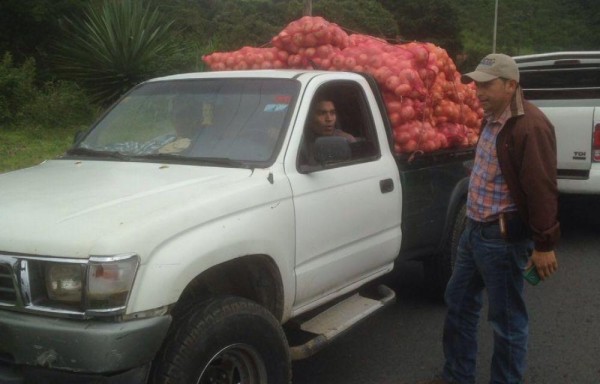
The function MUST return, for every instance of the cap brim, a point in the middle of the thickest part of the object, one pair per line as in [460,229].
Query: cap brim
[480,77]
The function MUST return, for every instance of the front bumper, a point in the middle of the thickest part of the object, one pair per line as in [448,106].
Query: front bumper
[34,375]
[30,344]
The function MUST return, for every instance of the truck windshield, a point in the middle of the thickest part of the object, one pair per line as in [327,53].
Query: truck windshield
[225,121]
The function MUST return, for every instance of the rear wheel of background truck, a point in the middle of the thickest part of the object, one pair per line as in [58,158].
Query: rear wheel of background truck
[224,340]
[438,268]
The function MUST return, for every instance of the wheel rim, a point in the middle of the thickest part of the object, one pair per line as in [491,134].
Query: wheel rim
[234,364]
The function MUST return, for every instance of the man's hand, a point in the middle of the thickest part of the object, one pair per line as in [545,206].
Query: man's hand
[545,263]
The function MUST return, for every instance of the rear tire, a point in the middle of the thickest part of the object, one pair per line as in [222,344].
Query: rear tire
[224,340]
[438,268]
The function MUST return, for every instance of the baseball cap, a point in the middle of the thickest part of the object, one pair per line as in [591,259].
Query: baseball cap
[491,67]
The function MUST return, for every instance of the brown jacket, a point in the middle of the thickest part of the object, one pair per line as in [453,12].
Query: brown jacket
[526,148]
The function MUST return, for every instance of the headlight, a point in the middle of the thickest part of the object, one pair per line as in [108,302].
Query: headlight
[100,285]
[109,282]
[64,282]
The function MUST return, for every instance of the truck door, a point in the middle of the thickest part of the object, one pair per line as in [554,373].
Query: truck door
[347,213]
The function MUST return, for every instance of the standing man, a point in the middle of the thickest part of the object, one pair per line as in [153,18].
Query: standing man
[512,205]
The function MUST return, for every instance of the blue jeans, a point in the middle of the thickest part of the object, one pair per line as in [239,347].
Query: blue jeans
[485,260]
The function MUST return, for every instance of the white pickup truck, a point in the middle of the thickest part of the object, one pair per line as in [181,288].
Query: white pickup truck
[140,256]
[566,86]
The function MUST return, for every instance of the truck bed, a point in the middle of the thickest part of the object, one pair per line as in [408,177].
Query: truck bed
[437,182]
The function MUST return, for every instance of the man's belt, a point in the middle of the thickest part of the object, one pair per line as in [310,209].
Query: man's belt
[512,227]
[505,216]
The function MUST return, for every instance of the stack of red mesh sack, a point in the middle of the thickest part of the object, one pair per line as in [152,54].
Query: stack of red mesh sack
[427,105]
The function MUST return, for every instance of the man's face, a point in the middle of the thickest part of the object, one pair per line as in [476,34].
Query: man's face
[495,95]
[323,123]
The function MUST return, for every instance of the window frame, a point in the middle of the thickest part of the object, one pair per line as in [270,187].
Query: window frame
[564,77]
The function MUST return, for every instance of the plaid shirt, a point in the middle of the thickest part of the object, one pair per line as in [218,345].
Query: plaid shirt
[488,192]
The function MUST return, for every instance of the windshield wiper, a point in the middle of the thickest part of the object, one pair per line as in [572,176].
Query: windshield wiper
[97,153]
[165,156]
[222,161]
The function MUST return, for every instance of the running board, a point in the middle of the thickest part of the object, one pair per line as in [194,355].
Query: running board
[331,323]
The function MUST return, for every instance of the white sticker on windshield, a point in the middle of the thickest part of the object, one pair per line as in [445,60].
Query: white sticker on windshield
[275,107]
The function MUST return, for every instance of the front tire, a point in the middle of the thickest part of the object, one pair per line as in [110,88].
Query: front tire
[221,341]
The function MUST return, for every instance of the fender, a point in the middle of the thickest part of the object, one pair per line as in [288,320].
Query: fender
[264,230]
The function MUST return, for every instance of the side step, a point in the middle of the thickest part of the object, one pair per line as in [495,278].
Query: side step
[329,324]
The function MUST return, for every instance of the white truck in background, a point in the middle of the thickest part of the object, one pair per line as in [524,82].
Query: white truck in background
[566,87]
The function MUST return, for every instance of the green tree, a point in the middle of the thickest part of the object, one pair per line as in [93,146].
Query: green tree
[524,27]
[433,21]
[113,47]
[359,16]
[27,28]
[227,25]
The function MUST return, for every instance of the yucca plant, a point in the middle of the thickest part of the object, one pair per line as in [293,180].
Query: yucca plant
[113,47]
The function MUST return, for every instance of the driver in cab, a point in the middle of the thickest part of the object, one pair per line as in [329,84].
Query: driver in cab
[322,123]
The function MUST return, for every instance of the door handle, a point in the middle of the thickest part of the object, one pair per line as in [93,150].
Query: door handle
[386,185]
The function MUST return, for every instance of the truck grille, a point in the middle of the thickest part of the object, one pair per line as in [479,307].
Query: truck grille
[8,294]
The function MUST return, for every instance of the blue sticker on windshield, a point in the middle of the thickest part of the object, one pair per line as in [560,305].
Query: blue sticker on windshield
[275,107]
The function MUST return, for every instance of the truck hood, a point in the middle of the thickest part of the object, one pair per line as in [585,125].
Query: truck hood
[69,208]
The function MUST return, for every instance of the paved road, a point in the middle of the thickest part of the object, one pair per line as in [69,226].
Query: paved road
[401,345]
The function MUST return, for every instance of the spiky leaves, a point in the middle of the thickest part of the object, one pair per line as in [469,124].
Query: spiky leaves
[113,47]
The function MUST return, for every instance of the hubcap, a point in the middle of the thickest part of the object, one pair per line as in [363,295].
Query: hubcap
[234,364]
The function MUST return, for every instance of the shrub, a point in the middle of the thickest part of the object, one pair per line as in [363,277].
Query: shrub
[58,105]
[113,47]
[16,88]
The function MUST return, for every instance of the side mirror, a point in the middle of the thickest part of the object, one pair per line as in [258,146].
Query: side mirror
[331,149]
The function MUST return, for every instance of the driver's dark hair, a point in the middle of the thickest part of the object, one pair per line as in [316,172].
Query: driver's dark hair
[323,96]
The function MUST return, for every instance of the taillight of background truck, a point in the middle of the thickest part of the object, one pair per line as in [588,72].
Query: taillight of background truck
[596,144]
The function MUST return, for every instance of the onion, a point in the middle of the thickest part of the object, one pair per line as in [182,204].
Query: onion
[427,105]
